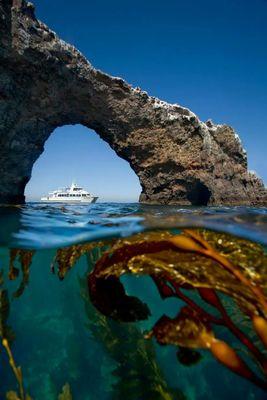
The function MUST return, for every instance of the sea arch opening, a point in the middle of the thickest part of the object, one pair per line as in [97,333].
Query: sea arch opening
[198,193]
[76,153]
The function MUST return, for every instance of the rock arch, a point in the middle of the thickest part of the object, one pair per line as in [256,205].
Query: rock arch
[46,83]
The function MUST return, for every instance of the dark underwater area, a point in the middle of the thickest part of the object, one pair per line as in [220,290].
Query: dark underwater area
[91,298]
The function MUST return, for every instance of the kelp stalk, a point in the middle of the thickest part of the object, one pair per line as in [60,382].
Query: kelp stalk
[17,370]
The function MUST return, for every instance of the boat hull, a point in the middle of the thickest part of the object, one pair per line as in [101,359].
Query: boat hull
[67,201]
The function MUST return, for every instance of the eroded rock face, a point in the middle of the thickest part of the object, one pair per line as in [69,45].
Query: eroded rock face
[46,83]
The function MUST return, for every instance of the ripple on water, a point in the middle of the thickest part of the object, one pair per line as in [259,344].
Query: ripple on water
[39,225]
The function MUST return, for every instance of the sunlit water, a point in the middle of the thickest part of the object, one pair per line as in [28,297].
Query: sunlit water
[57,337]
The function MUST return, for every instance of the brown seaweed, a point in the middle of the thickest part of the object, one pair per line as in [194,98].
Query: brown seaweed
[205,263]
[112,301]
[136,372]
[7,337]
[66,257]
[14,396]
[187,356]
[5,329]
[66,393]
[16,369]
[190,261]
[24,258]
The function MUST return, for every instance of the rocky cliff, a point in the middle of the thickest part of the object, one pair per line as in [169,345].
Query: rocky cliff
[46,83]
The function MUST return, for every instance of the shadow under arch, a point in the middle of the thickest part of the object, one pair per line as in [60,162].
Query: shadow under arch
[75,152]
[198,193]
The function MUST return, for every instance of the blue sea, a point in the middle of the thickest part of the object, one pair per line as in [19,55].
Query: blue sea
[61,340]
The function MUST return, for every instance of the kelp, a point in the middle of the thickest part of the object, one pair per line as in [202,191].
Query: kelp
[155,254]
[16,370]
[7,337]
[66,393]
[24,257]
[66,257]
[136,372]
[199,262]
[187,356]
[198,267]
[5,329]
[14,396]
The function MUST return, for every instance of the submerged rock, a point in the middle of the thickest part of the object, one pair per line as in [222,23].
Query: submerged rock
[46,83]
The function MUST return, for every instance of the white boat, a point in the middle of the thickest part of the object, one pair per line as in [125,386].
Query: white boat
[73,194]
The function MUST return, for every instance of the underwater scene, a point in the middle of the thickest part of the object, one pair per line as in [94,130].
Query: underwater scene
[127,301]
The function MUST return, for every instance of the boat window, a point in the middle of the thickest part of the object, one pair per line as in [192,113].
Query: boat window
[84,195]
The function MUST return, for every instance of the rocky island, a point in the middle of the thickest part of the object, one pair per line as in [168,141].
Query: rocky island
[46,83]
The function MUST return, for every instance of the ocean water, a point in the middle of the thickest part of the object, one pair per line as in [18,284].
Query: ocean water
[58,337]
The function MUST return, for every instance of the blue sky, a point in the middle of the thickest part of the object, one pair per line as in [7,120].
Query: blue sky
[210,56]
